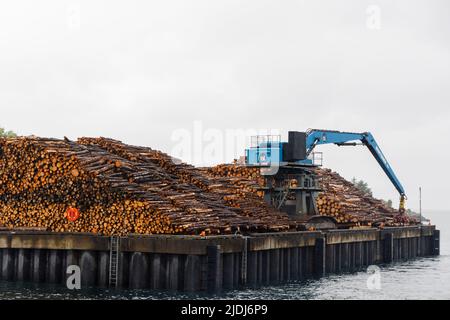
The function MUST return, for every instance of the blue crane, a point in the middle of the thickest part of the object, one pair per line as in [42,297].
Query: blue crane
[268,152]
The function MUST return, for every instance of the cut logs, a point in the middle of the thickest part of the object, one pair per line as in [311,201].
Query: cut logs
[120,189]
[349,205]
[103,186]
[339,199]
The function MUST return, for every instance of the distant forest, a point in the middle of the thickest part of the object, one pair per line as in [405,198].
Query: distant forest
[364,187]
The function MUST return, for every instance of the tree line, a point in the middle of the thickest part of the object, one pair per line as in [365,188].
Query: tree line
[7,134]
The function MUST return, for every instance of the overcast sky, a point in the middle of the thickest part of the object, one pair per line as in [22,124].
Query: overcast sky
[143,71]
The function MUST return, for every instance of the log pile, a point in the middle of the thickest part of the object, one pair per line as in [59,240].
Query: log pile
[235,170]
[228,201]
[103,186]
[332,206]
[120,189]
[340,198]
[246,179]
[351,198]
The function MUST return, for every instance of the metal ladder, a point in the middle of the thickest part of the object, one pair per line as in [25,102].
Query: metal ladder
[282,196]
[114,261]
[244,263]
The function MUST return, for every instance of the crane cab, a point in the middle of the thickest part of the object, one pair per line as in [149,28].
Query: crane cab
[269,150]
[290,183]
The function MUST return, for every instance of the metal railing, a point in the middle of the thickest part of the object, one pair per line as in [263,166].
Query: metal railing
[316,158]
[256,141]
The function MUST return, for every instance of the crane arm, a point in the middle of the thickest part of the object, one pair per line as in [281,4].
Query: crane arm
[315,137]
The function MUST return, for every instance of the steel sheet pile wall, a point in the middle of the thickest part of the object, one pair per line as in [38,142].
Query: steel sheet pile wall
[192,263]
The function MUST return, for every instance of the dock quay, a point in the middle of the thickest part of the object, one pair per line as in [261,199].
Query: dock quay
[211,263]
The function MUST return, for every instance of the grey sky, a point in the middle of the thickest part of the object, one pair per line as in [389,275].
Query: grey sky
[138,70]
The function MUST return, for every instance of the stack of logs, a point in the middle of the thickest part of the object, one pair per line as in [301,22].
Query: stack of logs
[227,202]
[246,179]
[340,198]
[332,207]
[119,189]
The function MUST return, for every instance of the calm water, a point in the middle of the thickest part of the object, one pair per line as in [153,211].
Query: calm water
[426,278]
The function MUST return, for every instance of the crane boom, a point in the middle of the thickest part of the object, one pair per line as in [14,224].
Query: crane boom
[315,137]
